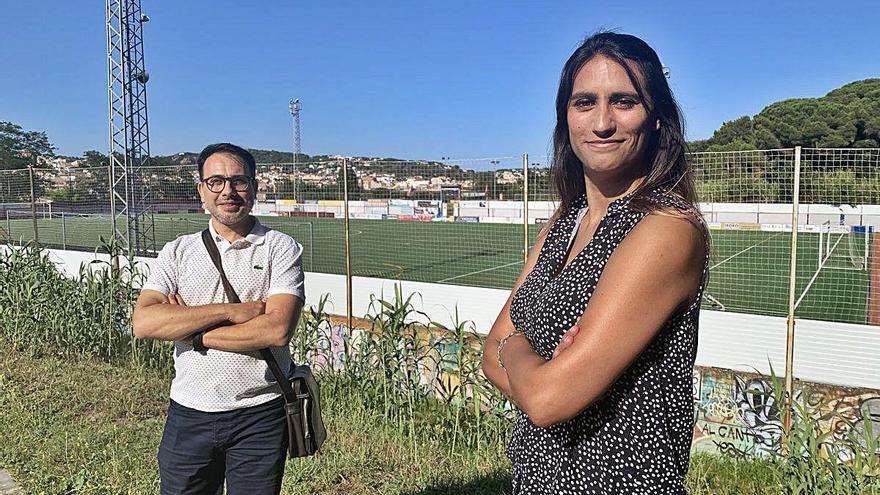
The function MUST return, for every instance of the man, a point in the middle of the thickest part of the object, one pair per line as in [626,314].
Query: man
[226,418]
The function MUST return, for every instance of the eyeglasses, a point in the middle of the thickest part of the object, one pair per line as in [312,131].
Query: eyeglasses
[216,183]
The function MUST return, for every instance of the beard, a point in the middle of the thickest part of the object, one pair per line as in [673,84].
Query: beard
[230,218]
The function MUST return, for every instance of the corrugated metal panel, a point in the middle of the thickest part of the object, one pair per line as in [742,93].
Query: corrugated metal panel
[741,342]
[837,353]
[825,352]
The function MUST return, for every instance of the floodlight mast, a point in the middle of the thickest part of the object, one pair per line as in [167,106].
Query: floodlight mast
[130,209]
[295,108]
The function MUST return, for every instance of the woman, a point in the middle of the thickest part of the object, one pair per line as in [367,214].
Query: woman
[596,343]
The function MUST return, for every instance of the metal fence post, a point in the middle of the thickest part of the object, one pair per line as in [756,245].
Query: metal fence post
[311,247]
[789,338]
[63,232]
[348,290]
[114,239]
[525,161]
[33,204]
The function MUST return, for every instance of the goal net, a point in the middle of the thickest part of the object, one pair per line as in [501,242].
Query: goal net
[843,247]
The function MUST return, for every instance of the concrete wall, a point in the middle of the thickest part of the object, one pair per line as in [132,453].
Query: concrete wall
[737,413]
[512,211]
[837,365]
[825,352]
[808,214]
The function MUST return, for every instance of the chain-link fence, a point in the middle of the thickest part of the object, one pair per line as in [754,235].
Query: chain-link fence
[837,276]
[464,222]
[749,269]
[752,198]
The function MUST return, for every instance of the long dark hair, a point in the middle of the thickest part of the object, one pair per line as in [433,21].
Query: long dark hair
[666,152]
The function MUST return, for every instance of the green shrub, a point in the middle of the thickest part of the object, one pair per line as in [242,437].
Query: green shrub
[813,459]
[44,311]
[387,382]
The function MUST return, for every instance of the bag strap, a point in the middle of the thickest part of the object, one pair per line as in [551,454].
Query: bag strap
[266,354]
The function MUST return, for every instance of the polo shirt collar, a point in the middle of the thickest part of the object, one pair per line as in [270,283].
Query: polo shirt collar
[255,237]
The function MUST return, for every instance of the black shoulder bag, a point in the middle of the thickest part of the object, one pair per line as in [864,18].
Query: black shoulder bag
[302,405]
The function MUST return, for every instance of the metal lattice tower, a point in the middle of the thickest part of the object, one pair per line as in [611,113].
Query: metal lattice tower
[295,107]
[131,215]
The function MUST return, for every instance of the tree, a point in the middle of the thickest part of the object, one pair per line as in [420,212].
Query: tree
[70,193]
[862,100]
[272,156]
[734,135]
[15,186]
[20,148]
[847,117]
[809,122]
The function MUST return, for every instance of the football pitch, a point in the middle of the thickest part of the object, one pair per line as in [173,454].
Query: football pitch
[748,270]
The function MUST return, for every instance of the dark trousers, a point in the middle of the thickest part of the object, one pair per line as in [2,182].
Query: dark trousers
[247,447]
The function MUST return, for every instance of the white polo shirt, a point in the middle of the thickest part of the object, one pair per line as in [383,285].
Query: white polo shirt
[263,264]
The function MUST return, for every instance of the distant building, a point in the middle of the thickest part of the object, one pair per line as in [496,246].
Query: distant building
[450,192]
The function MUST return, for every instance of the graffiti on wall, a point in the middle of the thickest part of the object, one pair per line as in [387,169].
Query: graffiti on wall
[439,368]
[734,415]
[868,422]
[329,349]
[447,365]
[760,415]
[737,414]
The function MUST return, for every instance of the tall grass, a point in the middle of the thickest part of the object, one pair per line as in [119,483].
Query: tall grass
[812,459]
[422,377]
[43,311]
[411,379]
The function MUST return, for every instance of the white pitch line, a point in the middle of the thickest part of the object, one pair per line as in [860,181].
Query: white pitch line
[476,272]
[816,275]
[725,260]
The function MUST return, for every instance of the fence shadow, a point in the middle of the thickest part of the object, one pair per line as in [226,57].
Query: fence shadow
[497,483]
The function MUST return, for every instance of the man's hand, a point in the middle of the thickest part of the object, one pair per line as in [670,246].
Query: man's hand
[272,325]
[175,299]
[246,311]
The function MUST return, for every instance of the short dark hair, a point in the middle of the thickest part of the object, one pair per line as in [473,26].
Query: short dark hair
[243,155]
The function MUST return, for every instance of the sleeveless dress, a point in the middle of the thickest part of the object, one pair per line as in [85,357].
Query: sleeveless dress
[636,438]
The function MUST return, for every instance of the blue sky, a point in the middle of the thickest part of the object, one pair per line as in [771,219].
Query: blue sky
[409,79]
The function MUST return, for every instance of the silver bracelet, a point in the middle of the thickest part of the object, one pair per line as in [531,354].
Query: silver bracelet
[504,341]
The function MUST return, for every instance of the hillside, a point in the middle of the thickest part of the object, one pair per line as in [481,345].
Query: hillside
[847,117]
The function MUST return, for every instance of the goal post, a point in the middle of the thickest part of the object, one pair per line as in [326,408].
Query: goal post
[843,247]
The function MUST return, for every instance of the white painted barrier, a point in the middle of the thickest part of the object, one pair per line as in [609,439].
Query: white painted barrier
[812,214]
[825,352]
[511,211]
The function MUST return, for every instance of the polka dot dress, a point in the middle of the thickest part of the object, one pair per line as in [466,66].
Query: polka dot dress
[636,438]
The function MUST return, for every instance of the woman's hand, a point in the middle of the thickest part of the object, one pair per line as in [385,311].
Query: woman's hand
[567,340]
